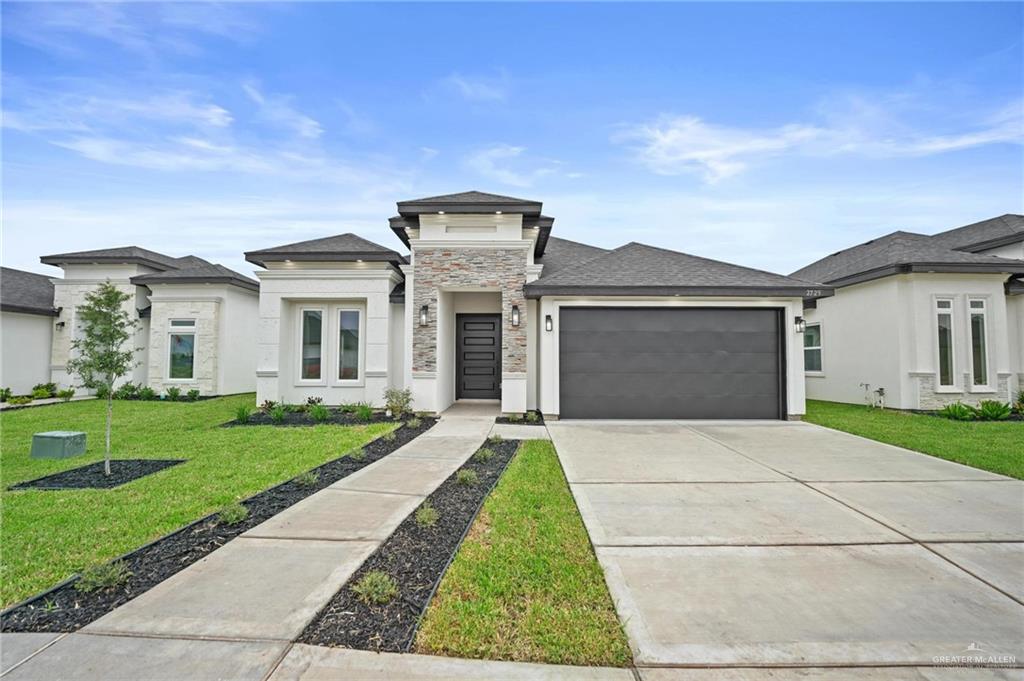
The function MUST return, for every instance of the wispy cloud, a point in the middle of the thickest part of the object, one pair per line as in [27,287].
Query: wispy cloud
[673,145]
[506,164]
[278,109]
[479,88]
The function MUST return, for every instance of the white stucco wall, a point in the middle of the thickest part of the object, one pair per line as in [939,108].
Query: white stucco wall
[283,292]
[1015,251]
[1015,327]
[883,333]
[396,347]
[548,388]
[25,350]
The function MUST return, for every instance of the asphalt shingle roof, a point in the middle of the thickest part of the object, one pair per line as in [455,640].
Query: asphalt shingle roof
[207,273]
[26,292]
[119,254]
[1007,226]
[882,256]
[470,197]
[636,269]
[562,253]
[341,247]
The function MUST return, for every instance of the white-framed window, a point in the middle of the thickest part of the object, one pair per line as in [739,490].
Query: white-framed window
[349,344]
[311,344]
[978,324]
[181,350]
[812,348]
[944,342]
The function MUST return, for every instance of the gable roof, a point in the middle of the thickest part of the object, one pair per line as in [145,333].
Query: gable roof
[469,202]
[900,252]
[562,253]
[339,248]
[638,269]
[118,255]
[991,233]
[26,292]
[206,273]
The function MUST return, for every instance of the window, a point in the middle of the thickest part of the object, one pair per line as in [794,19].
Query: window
[944,329]
[181,350]
[348,345]
[812,347]
[979,351]
[312,344]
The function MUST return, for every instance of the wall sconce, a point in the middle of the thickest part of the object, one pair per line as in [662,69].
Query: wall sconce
[515,315]
[548,323]
[799,324]
[423,316]
[60,326]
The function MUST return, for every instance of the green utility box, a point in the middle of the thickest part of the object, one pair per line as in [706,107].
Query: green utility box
[58,444]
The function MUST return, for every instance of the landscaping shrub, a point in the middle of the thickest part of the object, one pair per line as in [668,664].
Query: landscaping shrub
[192,395]
[314,400]
[414,423]
[427,515]
[243,413]
[126,391]
[958,411]
[495,439]
[20,400]
[50,389]
[267,406]
[308,479]
[101,392]
[358,454]
[148,394]
[993,410]
[389,436]
[398,401]
[1018,402]
[483,455]
[174,393]
[375,588]
[515,418]
[363,411]
[6,394]
[232,515]
[347,408]
[277,413]
[293,408]
[66,394]
[103,576]
[532,417]
[466,476]
[319,413]
[40,394]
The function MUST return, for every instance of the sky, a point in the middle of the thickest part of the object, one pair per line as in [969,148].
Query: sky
[767,135]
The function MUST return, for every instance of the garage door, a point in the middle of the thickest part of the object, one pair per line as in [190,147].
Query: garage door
[662,363]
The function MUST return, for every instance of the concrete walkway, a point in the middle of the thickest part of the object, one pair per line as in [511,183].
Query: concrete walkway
[234,614]
[790,545]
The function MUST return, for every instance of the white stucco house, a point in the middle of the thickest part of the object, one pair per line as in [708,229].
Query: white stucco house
[197,320]
[929,319]
[488,305]
[26,329]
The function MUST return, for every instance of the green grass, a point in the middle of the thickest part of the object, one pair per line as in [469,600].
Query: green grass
[990,445]
[49,535]
[525,585]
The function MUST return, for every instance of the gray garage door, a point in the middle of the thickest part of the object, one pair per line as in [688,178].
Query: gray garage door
[682,363]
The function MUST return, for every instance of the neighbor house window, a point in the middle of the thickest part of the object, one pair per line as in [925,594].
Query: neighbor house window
[348,345]
[979,352]
[944,330]
[182,349]
[312,345]
[812,347]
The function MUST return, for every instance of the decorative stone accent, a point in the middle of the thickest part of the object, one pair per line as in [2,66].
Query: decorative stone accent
[204,372]
[928,399]
[495,268]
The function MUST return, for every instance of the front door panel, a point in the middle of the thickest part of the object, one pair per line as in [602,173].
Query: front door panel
[478,356]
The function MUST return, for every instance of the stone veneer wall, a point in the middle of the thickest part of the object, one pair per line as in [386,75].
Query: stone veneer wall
[442,268]
[929,399]
[204,371]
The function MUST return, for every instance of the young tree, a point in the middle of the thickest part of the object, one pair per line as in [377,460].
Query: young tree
[102,358]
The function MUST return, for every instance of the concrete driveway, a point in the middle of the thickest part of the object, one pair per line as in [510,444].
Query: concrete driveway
[791,545]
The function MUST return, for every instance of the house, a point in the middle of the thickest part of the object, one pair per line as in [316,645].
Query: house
[197,320]
[26,329]
[488,305]
[929,319]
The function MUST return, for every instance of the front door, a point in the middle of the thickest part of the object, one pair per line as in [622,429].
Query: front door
[478,356]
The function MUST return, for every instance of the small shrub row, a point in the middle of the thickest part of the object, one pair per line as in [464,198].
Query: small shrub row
[131,391]
[40,391]
[987,410]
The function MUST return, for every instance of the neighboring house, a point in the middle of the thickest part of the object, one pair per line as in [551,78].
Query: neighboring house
[929,319]
[26,329]
[197,320]
[489,306]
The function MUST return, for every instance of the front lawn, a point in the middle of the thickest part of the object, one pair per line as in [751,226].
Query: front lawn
[526,585]
[996,446]
[49,535]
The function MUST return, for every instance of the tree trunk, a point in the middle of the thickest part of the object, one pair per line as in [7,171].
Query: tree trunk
[110,412]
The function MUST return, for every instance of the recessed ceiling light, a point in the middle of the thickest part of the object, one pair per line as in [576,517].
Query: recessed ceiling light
[497,212]
[440,212]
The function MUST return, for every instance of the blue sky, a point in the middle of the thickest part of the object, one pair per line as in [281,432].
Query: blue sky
[766,135]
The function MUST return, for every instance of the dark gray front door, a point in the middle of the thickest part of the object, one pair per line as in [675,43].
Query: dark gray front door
[478,356]
[671,363]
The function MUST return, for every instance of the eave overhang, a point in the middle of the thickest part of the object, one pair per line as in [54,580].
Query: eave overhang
[538,290]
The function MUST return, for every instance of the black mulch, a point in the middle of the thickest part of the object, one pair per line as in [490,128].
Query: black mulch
[93,477]
[521,421]
[301,418]
[65,609]
[416,558]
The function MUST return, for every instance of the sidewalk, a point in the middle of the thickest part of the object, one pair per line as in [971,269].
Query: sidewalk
[234,614]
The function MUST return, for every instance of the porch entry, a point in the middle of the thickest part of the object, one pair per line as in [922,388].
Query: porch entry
[478,356]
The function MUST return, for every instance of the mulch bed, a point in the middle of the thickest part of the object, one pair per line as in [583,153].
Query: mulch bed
[92,476]
[301,418]
[522,421]
[416,558]
[63,608]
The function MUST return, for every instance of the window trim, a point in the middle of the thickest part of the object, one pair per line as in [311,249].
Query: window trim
[936,311]
[820,348]
[335,342]
[985,387]
[324,352]
[182,330]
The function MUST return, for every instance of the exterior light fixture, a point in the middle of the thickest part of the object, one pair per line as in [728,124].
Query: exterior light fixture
[60,326]
[515,315]
[548,323]
[799,324]
[423,316]
[440,212]
[497,212]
